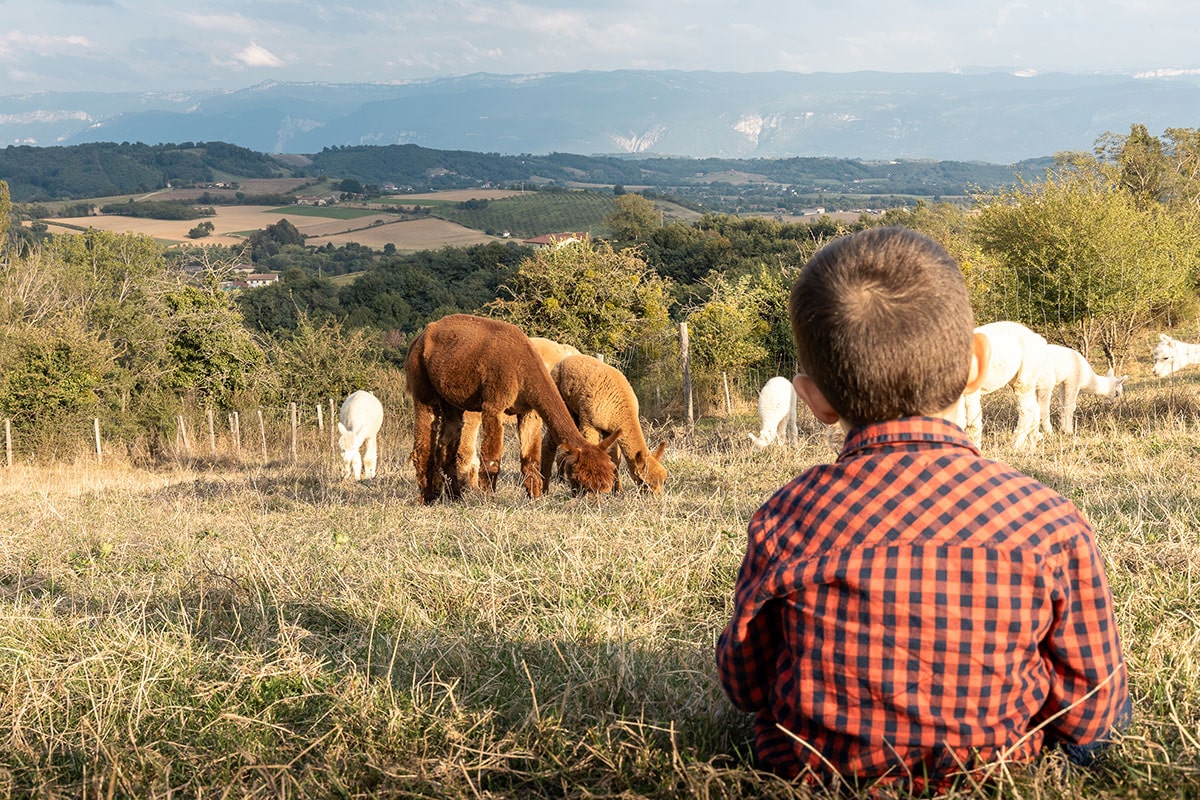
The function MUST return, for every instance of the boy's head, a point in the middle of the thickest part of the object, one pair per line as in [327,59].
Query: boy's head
[883,325]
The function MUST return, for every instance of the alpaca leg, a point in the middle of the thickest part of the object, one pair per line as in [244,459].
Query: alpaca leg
[369,458]
[972,416]
[549,452]
[1027,432]
[426,427]
[448,445]
[1070,398]
[468,450]
[529,433]
[490,448]
[1043,397]
[356,465]
[792,428]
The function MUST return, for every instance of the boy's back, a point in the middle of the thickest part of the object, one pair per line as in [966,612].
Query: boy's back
[912,609]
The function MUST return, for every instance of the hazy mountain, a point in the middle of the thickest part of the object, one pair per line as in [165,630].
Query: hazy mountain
[995,117]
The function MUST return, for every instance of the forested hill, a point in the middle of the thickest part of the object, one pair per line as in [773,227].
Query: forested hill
[105,169]
[418,167]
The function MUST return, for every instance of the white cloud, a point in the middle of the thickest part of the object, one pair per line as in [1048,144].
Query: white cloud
[255,55]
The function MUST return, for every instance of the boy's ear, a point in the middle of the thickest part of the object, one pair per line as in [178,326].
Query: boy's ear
[814,398]
[981,354]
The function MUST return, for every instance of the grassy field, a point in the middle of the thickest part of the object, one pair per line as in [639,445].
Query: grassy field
[233,625]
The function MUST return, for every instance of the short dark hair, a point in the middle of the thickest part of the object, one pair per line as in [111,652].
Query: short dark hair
[882,324]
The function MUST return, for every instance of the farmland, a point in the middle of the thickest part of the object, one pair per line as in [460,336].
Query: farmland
[229,622]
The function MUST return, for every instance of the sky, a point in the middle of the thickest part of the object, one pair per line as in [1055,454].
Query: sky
[168,45]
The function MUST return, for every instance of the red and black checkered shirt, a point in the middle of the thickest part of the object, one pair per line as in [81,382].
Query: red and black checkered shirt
[913,609]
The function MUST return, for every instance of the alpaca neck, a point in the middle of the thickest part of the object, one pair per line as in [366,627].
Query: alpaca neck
[1188,354]
[543,397]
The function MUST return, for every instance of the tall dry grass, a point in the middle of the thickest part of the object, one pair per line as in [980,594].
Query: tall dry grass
[250,628]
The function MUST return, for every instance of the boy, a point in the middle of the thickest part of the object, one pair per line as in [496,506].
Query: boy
[912,611]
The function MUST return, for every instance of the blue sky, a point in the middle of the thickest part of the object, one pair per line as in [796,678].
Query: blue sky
[165,45]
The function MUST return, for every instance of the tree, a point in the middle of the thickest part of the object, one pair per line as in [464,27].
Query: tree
[588,295]
[727,333]
[633,219]
[1088,261]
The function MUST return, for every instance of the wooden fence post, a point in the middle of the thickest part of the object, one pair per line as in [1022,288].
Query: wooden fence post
[187,448]
[262,433]
[235,428]
[320,419]
[292,414]
[8,441]
[96,429]
[728,402]
[687,373]
[333,419]
[212,433]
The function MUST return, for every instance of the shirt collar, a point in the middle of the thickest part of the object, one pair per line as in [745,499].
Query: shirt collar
[906,433]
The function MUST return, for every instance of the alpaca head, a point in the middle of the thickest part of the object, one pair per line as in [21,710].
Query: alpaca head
[760,440]
[648,470]
[588,467]
[1114,385]
[1165,356]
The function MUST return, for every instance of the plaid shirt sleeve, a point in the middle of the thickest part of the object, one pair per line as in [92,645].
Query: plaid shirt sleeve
[1089,685]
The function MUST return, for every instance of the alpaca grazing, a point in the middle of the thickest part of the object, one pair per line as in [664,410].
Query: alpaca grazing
[359,421]
[551,352]
[1171,355]
[777,413]
[1069,372]
[1016,359]
[465,363]
[601,401]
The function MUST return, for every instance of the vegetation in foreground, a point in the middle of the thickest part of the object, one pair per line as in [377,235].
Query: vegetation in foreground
[253,628]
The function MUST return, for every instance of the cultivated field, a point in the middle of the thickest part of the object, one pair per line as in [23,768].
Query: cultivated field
[233,223]
[229,625]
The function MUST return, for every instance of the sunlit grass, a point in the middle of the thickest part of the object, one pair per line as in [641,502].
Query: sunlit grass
[269,630]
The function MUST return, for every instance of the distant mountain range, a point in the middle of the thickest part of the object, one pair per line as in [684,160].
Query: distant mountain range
[992,117]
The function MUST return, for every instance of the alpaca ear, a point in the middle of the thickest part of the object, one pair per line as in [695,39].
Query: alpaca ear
[609,440]
[1162,337]
[342,428]
[658,454]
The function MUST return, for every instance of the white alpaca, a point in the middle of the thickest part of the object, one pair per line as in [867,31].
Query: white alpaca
[359,421]
[1171,355]
[1017,355]
[1069,372]
[777,412]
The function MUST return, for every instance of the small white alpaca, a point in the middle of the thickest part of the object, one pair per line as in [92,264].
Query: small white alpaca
[1069,372]
[777,412]
[1171,355]
[1017,355]
[359,421]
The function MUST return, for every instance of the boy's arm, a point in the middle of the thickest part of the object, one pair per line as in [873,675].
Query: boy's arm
[1089,698]
[746,649]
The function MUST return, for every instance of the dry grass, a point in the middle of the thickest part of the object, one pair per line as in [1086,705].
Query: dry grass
[265,629]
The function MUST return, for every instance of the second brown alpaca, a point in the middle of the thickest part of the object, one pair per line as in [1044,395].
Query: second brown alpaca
[601,401]
[466,363]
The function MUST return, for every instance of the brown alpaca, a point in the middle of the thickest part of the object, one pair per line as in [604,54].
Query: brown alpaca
[601,400]
[467,363]
[551,352]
